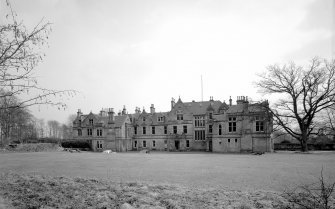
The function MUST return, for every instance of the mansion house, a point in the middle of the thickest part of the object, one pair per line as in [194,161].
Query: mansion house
[212,126]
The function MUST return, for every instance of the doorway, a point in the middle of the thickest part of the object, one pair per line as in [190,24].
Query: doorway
[176,144]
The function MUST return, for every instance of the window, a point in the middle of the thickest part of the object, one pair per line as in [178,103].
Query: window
[80,132]
[174,129]
[153,143]
[199,135]
[199,121]
[99,132]
[232,124]
[160,119]
[153,131]
[144,144]
[259,124]
[143,119]
[228,140]
[135,130]
[165,129]
[185,129]
[210,115]
[99,144]
[187,143]
[90,121]
[220,129]
[135,144]
[180,115]
[210,128]
[79,121]
[235,140]
[89,132]
[144,130]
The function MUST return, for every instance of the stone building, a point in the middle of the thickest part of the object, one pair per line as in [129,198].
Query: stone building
[105,130]
[189,126]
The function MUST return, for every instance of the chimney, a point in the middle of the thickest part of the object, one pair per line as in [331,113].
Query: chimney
[230,101]
[152,109]
[172,103]
[242,100]
[124,111]
[211,98]
[239,100]
[111,115]
[102,112]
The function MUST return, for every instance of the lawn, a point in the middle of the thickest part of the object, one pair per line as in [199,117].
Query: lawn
[272,171]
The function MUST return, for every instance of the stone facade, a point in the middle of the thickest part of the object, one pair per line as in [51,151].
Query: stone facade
[104,131]
[189,126]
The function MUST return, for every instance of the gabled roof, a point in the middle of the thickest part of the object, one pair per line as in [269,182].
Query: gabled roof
[120,120]
[200,108]
[224,106]
[210,107]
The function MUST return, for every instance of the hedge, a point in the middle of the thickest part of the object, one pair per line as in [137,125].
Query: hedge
[76,144]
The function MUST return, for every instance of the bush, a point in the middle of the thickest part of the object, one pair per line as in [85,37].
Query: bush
[38,147]
[314,196]
[76,144]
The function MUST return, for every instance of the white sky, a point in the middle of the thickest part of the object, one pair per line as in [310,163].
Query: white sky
[138,53]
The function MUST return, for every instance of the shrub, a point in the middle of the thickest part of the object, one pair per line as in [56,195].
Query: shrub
[315,196]
[285,142]
[76,144]
[36,147]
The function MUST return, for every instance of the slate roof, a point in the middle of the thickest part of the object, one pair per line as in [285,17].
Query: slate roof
[224,106]
[200,108]
[119,120]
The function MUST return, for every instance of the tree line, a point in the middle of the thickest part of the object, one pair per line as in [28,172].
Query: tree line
[20,126]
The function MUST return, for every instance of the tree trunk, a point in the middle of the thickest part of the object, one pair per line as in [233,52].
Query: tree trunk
[304,147]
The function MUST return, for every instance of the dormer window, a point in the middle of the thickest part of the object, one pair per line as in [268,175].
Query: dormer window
[210,115]
[90,121]
[160,119]
[180,115]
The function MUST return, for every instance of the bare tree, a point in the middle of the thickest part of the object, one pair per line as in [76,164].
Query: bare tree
[304,93]
[15,123]
[328,122]
[20,53]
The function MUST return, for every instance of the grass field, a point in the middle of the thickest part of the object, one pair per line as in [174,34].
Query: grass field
[273,171]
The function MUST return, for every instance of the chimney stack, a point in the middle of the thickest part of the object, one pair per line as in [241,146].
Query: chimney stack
[79,113]
[152,109]
[172,103]
[124,111]
[230,101]
[111,115]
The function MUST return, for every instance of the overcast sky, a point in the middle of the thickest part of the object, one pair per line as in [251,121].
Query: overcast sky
[138,52]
